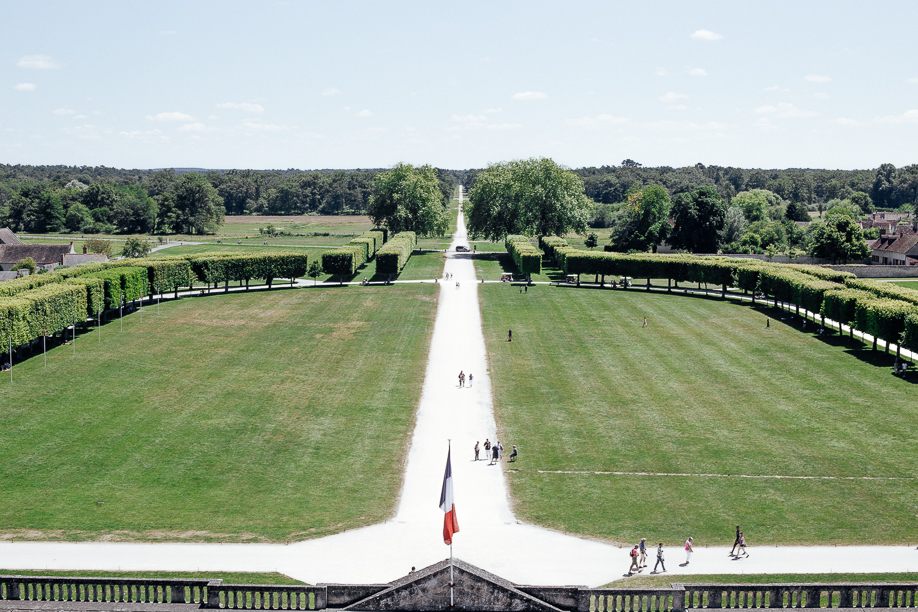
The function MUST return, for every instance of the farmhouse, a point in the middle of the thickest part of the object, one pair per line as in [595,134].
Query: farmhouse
[895,250]
[45,255]
[8,237]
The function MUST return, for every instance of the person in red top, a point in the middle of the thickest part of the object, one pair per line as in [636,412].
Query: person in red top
[634,560]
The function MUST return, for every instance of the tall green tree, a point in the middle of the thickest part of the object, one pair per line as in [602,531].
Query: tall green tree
[643,221]
[532,197]
[840,238]
[698,218]
[197,207]
[408,199]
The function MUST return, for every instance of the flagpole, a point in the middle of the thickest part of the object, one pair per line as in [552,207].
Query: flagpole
[449,449]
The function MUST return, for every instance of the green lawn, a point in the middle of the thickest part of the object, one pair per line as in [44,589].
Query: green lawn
[246,417]
[907,284]
[642,581]
[704,389]
[226,577]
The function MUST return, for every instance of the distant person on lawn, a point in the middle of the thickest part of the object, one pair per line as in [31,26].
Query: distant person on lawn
[509,335]
[514,454]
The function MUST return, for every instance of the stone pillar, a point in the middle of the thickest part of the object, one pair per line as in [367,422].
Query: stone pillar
[679,599]
[213,594]
[715,597]
[321,596]
[177,592]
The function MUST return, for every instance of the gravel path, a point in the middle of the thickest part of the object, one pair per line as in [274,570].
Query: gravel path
[489,536]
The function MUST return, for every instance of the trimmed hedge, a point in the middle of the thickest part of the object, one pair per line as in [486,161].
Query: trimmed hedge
[163,273]
[527,258]
[391,258]
[50,309]
[344,260]
[883,290]
[841,304]
[95,293]
[828,274]
[33,281]
[127,282]
[550,243]
[882,317]
[213,268]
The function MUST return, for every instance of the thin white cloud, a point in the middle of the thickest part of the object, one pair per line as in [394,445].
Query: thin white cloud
[364,113]
[661,72]
[847,121]
[530,95]
[80,117]
[268,127]
[38,62]
[492,110]
[469,119]
[64,111]
[773,88]
[173,116]
[243,106]
[504,126]
[148,136]
[818,78]
[912,80]
[910,116]
[698,72]
[330,91]
[193,127]
[705,35]
[671,96]
[25,87]
[785,111]
[598,121]
[86,131]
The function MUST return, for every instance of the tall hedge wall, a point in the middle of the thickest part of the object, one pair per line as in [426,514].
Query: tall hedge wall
[392,257]
[129,282]
[95,293]
[50,308]
[527,258]
[885,290]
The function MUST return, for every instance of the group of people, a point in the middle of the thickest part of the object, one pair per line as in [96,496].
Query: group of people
[495,451]
[462,378]
[900,369]
[638,556]
[739,545]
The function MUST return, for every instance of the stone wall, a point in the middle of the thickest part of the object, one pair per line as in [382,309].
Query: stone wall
[876,271]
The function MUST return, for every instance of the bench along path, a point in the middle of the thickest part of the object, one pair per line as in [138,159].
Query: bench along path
[490,537]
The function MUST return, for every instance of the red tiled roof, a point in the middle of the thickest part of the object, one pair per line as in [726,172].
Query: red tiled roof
[901,244]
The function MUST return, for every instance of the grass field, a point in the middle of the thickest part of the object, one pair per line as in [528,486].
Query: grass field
[248,417]
[642,581]
[226,577]
[706,390]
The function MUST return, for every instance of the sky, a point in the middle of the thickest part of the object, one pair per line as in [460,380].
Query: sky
[310,84]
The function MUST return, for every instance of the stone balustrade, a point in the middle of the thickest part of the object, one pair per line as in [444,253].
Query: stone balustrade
[678,598]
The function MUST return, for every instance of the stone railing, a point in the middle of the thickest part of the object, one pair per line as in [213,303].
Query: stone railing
[678,598]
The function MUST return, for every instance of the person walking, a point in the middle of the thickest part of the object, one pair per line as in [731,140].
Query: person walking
[521,288]
[494,453]
[634,560]
[476,450]
[643,548]
[461,378]
[742,546]
[736,541]
[487,448]
[500,450]
[645,322]
[767,322]
[470,379]
[688,550]
[509,335]
[659,558]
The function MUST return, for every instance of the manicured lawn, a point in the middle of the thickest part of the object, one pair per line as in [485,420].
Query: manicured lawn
[641,581]
[907,284]
[243,417]
[704,389]
[226,577]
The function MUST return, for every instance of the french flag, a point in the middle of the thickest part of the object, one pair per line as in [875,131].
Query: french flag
[450,524]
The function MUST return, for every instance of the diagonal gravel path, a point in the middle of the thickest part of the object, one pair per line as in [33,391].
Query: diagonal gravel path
[490,536]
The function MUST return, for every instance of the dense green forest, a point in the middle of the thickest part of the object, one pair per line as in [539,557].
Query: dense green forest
[111,200]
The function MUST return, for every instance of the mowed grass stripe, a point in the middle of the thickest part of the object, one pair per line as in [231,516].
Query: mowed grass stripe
[705,388]
[266,416]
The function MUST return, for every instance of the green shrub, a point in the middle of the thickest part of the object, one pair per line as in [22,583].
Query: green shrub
[392,257]
[884,290]
[95,293]
[841,304]
[50,309]
[883,318]
[344,261]
[527,258]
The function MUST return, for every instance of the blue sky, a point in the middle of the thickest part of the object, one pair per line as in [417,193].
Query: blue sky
[235,84]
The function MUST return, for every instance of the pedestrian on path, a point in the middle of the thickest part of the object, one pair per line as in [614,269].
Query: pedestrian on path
[470,379]
[736,541]
[643,548]
[634,560]
[457,284]
[461,378]
[487,447]
[509,335]
[494,456]
[688,550]
[659,558]
[742,546]
[476,450]
[500,450]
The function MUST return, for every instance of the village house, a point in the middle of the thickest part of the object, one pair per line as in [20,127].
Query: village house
[895,250]
[47,256]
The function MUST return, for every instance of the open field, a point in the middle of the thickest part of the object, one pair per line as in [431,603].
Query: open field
[707,395]
[641,581]
[247,417]
[227,577]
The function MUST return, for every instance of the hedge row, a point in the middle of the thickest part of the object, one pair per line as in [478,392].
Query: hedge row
[47,309]
[129,282]
[391,258]
[95,293]
[163,273]
[33,281]
[344,260]
[883,290]
[213,268]
[550,243]
[527,258]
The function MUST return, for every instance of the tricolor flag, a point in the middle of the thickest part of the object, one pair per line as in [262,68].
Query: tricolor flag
[450,524]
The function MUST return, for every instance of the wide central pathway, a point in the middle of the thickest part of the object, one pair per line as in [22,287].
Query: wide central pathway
[489,536]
